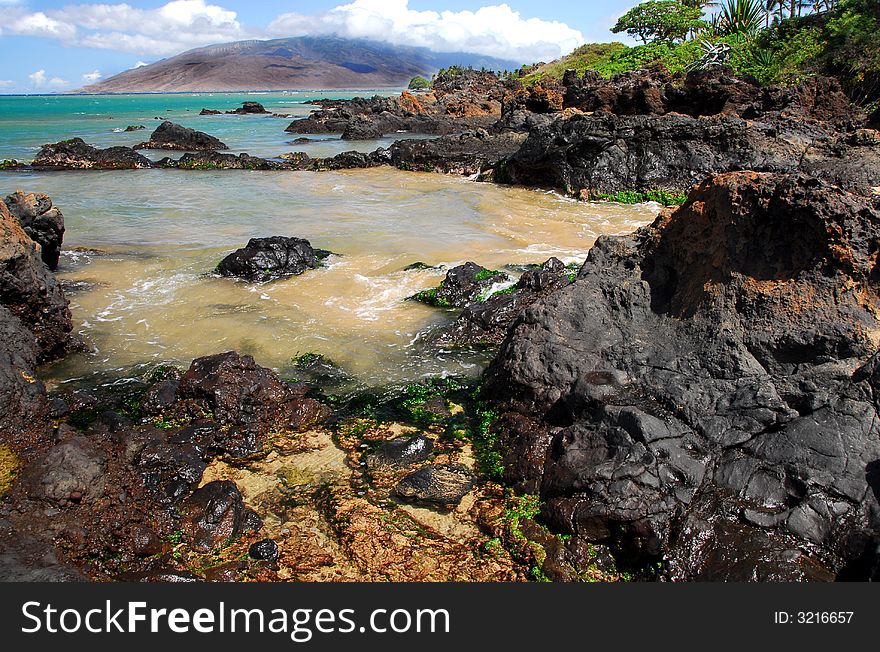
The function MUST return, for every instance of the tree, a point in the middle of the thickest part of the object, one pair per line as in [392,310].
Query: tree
[419,84]
[664,20]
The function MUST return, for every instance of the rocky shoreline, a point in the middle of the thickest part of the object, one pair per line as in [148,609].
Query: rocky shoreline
[696,402]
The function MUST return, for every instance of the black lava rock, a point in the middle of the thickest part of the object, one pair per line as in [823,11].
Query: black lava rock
[265,550]
[267,259]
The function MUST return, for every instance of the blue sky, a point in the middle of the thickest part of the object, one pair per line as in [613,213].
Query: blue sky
[57,45]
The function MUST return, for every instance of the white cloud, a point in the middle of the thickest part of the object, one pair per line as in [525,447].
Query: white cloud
[6,83]
[92,77]
[39,80]
[495,30]
[141,64]
[169,29]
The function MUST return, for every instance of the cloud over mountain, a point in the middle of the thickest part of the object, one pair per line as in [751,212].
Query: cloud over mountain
[495,30]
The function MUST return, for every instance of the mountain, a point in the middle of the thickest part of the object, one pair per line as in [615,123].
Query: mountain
[301,63]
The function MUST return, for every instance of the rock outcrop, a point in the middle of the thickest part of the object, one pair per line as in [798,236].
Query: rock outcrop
[29,291]
[42,222]
[238,402]
[171,136]
[76,154]
[705,392]
[249,108]
[485,323]
[268,259]
[459,101]
[607,153]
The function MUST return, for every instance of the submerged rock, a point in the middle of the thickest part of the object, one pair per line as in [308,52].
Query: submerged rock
[171,136]
[705,392]
[442,485]
[268,259]
[462,286]
[249,108]
[76,154]
[401,452]
[42,221]
[265,550]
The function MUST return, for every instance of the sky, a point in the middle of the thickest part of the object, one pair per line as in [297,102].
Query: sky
[57,45]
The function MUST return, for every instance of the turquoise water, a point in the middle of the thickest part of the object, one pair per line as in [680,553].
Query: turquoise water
[28,122]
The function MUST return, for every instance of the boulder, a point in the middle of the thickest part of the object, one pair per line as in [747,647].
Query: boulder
[705,392]
[438,485]
[265,550]
[214,515]
[210,112]
[268,259]
[42,221]
[172,136]
[76,154]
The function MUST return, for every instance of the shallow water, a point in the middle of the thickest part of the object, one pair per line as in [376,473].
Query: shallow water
[152,298]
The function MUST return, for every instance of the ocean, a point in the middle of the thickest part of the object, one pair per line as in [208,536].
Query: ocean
[141,245]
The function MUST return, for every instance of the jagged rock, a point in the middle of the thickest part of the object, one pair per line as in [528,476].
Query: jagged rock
[76,154]
[401,452]
[130,128]
[210,112]
[705,392]
[362,128]
[245,400]
[29,290]
[485,323]
[605,153]
[215,514]
[173,470]
[462,286]
[442,485]
[42,221]
[171,136]
[268,259]
[465,154]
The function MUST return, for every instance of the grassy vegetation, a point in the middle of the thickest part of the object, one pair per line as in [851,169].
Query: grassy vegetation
[432,299]
[774,48]
[663,197]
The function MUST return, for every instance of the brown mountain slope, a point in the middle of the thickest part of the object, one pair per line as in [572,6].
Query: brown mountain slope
[302,63]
